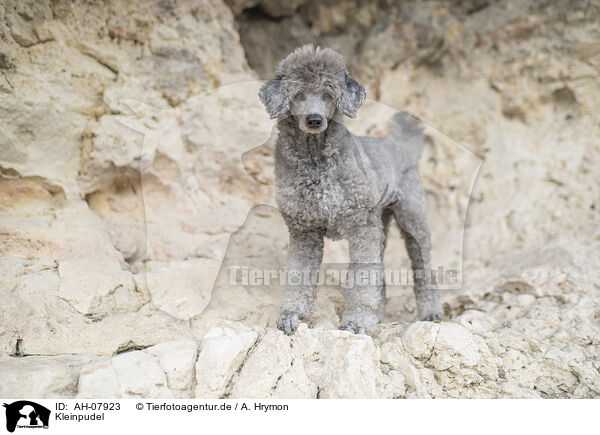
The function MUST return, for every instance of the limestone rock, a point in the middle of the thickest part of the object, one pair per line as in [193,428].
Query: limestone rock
[237,6]
[87,286]
[224,348]
[420,338]
[295,384]
[130,374]
[343,365]
[42,377]
[278,9]
[454,347]
[181,289]
[177,359]
[264,366]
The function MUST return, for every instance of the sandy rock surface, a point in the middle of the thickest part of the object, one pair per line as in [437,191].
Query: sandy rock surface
[136,187]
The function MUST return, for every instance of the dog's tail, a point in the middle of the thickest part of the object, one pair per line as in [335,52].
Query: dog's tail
[407,131]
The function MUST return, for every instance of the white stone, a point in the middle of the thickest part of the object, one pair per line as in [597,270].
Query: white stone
[454,347]
[41,377]
[394,355]
[99,381]
[395,385]
[127,375]
[87,285]
[182,289]
[343,365]
[265,364]
[223,349]
[295,384]
[419,339]
[177,359]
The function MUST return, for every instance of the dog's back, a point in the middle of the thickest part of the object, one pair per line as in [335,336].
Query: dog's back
[407,131]
[388,159]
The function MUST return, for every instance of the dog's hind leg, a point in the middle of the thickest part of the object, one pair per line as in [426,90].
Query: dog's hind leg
[386,218]
[304,260]
[411,214]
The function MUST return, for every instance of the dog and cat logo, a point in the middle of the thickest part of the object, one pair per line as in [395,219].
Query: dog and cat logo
[26,414]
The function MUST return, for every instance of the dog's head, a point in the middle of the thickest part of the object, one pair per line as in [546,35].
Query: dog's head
[312,84]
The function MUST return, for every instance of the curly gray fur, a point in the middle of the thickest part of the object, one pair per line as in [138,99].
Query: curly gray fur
[330,183]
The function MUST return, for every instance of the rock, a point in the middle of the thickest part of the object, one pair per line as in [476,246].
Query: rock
[264,366]
[394,356]
[224,348]
[125,242]
[257,30]
[419,339]
[476,321]
[5,62]
[115,142]
[454,347]
[98,381]
[295,384]
[237,6]
[93,288]
[51,326]
[22,33]
[314,363]
[278,9]
[130,374]
[177,360]
[42,377]
[395,386]
[513,392]
[342,365]
[181,289]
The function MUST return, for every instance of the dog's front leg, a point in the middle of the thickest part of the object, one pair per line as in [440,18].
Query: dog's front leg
[364,292]
[304,260]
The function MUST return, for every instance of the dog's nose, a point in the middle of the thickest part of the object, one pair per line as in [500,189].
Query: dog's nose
[314,120]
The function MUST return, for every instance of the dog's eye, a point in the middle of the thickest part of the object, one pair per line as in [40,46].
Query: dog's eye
[327,97]
[299,96]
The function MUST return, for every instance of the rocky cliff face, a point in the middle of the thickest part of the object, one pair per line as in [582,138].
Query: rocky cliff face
[136,173]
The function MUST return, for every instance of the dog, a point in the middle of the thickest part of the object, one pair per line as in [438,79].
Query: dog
[330,183]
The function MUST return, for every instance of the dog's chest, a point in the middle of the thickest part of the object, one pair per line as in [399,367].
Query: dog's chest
[324,195]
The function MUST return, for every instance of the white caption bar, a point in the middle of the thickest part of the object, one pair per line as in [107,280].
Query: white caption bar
[73,416]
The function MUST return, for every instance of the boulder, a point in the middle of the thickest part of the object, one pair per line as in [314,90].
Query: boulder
[127,375]
[224,348]
[42,377]
[177,359]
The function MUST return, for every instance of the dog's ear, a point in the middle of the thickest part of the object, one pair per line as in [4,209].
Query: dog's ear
[274,97]
[352,97]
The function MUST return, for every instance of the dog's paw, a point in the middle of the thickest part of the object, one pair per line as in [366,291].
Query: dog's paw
[432,315]
[288,322]
[429,307]
[353,327]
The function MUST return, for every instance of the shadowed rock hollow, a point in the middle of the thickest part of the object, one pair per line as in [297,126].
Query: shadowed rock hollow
[136,172]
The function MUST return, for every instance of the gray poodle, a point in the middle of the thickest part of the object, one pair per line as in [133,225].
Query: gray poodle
[332,183]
